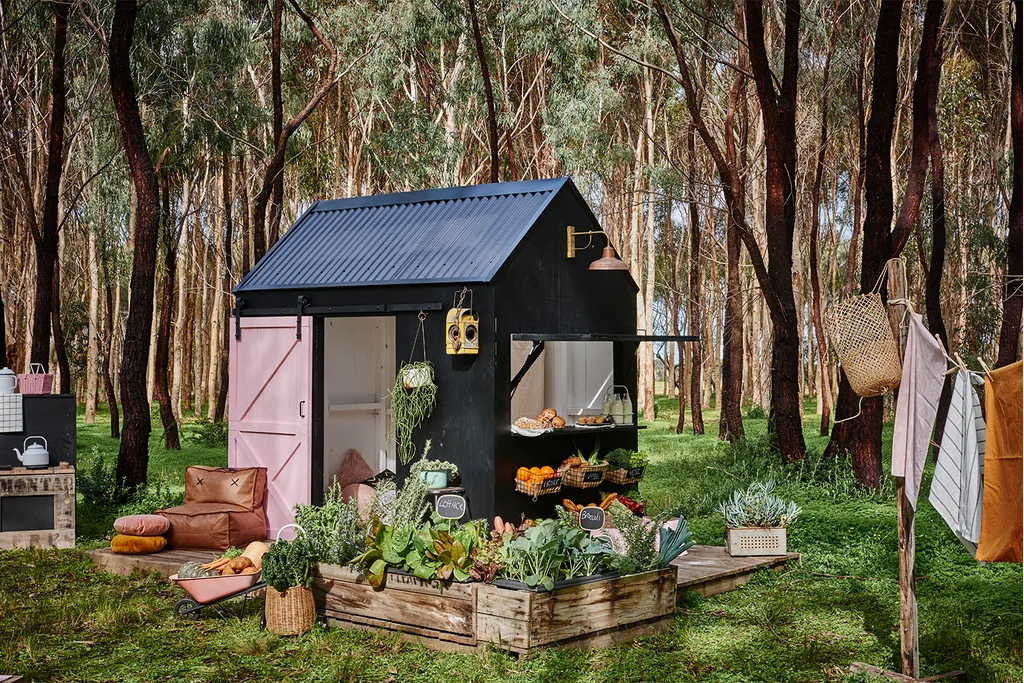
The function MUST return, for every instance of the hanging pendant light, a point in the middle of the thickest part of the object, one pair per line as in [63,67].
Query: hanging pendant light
[608,261]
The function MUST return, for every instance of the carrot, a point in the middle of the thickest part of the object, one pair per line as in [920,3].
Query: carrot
[217,564]
[607,502]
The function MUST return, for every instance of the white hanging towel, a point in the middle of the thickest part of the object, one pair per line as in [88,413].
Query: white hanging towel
[923,366]
[957,485]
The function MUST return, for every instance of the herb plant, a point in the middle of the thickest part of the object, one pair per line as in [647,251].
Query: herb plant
[336,529]
[759,507]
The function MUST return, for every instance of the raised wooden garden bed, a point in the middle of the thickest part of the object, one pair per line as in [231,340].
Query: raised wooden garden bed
[472,615]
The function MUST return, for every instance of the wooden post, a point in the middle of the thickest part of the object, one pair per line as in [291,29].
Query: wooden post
[896,287]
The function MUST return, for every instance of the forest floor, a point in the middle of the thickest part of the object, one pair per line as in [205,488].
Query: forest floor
[61,620]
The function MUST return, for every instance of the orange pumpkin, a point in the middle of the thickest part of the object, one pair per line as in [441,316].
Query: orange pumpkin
[523,474]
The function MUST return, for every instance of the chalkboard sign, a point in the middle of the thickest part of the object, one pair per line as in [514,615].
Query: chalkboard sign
[635,473]
[552,483]
[450,506]
[591,518]
[593,476]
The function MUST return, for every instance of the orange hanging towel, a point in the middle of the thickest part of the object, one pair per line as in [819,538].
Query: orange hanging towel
[1001,512]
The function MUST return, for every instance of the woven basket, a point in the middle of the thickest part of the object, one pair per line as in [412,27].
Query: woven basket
[36,382]
[862,338]
[622,478]
[585,477]
[537,488]
[290,613]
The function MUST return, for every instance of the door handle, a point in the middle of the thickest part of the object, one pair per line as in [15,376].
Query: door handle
[301,414]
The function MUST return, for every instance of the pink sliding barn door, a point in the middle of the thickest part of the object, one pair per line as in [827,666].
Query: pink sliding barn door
[269,406]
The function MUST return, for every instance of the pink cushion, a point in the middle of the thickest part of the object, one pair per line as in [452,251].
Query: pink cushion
[142,525]
[361,492]
[353,469]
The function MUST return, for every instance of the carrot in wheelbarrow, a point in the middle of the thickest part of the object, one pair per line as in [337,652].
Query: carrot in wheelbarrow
[217,564]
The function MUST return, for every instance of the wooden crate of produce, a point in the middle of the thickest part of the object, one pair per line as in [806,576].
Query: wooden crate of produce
[440,618]
[589,615]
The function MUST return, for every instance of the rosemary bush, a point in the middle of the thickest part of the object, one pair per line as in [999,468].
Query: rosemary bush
[335,529]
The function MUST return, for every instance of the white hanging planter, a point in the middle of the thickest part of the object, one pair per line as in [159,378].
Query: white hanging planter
[413,377]
[754,541]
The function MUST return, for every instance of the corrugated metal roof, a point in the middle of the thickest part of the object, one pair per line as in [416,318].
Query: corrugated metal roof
[461,234]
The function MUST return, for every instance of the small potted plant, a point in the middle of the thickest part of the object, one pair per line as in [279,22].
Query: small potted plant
[288,572]
[434,473]
[756,521]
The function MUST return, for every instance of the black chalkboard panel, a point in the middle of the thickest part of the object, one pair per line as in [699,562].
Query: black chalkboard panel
[591,518]
[51,417]
[450,506]
[26,513]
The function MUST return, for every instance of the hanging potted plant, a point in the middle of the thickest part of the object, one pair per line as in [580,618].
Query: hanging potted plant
[436,474]
[756,521]
[411,405]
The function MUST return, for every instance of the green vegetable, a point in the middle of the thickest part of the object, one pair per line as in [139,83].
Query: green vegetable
[193,570]
[287,565]
[336,529]
[385,546]
[232,553]
[672,542]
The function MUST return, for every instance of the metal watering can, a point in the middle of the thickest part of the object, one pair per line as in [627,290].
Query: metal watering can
[35,455]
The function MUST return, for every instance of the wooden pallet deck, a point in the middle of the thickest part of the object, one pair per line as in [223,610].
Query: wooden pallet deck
[163,563]
[709,570]
[706,569]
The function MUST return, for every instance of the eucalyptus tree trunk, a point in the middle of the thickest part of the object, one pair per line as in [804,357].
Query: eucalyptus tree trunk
[133,456]
[226,199]
[47,236]
[696,296]
[108,353]
[93,345]
[163,338]
[1009,330]
[485,74]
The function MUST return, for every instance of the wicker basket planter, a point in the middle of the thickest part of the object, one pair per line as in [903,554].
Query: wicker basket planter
[290,613]
[625,477]
[754,541]
[586,477]
[539,488]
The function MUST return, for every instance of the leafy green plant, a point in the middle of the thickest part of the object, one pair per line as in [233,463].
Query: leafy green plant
[624,459]
[638,552]
[425,465]
[208,434]
[585,554]
[451,555]
[411,406]
[759,507]
[673,542]
[535,557]
[335,529]
[398,507]
[288,564]
[385,546]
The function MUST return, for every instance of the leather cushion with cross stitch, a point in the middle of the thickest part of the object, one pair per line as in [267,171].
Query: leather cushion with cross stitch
[243,486]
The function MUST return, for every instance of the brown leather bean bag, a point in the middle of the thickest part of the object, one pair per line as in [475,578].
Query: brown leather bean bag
[223,508]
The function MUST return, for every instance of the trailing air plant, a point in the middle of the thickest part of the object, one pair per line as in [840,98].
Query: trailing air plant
[759,507]
[411,405]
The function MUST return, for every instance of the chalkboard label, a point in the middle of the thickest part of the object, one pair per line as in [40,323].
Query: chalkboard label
[635,473]
[593,476]
[591,518]
[450,506]
[552,483]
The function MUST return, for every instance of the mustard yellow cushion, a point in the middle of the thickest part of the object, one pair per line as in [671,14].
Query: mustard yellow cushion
[123,544]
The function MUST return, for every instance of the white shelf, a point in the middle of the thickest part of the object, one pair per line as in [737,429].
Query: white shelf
[354,407]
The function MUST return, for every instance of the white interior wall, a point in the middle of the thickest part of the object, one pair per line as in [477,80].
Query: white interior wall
[570,377]
[359,369]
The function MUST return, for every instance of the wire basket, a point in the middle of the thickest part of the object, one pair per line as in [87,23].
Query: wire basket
[586,477]
[625,477]
[862,338]
[37,381]
[539,488]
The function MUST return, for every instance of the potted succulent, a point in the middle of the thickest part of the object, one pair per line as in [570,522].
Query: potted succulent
[434,473]
[288,572]
[756,521]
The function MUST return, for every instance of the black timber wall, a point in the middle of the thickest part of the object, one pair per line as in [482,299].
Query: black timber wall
[542,291]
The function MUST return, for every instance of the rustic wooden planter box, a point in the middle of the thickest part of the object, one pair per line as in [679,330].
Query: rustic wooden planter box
[472,615]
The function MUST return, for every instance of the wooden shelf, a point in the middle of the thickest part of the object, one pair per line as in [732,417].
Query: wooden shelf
[354,407]
[576,431]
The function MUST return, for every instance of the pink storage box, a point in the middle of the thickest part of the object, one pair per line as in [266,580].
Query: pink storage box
[36,382]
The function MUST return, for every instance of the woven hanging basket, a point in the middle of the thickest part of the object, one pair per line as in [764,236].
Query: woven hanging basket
[862,339]
[290,613]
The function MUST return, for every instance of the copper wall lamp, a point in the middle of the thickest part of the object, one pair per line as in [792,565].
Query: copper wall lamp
[608,260]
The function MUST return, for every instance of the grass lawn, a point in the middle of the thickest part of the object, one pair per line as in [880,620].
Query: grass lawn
[60,620]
